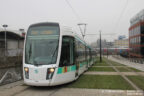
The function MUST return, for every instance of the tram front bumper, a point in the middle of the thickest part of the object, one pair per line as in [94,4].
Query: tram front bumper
[37,83]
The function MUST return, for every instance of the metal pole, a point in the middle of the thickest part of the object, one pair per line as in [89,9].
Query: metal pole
[81,31]
[84,30]
[107,50]
[100,49]
[5,41]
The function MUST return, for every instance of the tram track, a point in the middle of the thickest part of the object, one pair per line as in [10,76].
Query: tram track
[51,94]
[20,91]
[50,91]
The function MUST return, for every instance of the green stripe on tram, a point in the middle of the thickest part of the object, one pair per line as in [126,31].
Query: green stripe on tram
[66,69]
[73,68]
[59,70]
[69,68]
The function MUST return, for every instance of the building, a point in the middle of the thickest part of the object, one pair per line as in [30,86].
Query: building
[103,43]
[14,43]
[121,43]
[121,37]
[136,36]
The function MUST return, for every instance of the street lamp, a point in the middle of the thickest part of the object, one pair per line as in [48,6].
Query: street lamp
[5,26]
[82,32]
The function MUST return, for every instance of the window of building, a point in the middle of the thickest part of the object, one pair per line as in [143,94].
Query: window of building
[142,29]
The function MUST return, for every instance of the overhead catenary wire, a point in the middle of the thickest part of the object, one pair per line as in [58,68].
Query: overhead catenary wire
[77,16]
[117,22]
[121,15]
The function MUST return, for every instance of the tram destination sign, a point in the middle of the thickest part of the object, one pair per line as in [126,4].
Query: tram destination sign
[43,30]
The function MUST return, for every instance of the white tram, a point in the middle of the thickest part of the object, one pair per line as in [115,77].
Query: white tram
[54,55]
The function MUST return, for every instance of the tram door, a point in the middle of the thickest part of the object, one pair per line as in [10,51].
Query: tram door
[67,52]
[78,55]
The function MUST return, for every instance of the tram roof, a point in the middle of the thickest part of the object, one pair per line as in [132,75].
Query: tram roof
[45,24]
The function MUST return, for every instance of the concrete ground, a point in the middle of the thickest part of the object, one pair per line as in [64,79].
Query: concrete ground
[18,89]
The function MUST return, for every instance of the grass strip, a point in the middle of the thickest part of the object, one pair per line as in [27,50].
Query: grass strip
[98,63]
[138,80]
[134,70]
[127,69]
[101,82]
[101,69]
[123,69]
[101,64]
[115,63]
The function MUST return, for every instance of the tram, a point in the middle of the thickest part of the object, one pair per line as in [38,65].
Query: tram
[54,55]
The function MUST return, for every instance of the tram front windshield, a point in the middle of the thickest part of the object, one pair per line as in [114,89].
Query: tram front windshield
[41,49]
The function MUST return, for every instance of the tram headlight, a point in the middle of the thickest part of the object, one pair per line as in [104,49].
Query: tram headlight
[26,69]
[50,72]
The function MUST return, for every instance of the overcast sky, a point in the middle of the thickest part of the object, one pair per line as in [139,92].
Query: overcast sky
[109,16]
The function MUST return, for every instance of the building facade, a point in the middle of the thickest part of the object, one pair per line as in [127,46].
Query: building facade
[121,43]
[13,45]
[136,36]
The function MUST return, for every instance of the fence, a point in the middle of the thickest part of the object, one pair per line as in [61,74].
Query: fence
[10,66]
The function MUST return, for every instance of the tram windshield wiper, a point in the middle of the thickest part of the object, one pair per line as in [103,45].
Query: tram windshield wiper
[54,53]
[30,51]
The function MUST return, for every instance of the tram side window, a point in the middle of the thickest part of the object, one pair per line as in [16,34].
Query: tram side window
[67,52]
